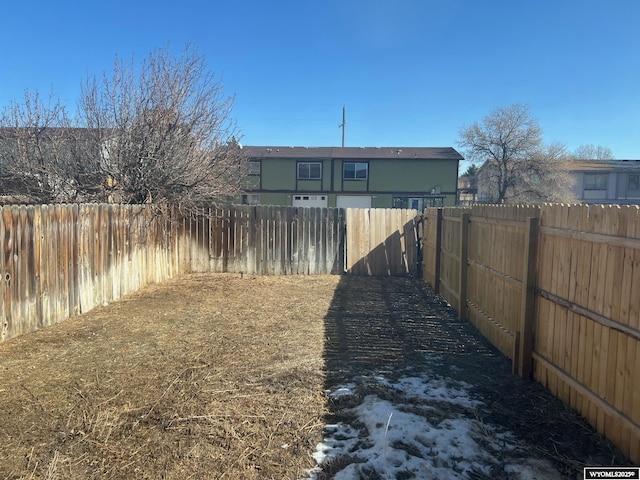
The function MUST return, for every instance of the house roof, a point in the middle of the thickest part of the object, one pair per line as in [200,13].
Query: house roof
[592,165]
[422,153]
[602,165]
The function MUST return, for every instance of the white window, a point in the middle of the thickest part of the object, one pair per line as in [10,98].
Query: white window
[309,170]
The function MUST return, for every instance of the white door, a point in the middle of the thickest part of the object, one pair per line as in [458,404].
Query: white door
[309,201]
[353,201]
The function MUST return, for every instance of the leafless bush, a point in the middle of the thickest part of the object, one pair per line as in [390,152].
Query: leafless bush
[159,132]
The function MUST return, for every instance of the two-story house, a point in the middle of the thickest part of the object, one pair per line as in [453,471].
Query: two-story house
[377,177]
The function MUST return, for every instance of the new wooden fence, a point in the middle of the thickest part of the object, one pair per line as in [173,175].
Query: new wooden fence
[557,289]
[381,241]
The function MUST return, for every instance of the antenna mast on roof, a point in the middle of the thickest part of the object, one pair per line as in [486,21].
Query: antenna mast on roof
[344,122]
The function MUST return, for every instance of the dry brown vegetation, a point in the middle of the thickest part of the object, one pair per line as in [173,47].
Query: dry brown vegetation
[223,376]
[204,377]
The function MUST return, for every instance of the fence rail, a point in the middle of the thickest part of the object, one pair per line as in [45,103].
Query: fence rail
[556,289]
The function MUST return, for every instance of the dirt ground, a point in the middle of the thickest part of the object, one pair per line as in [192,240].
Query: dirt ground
[223,376]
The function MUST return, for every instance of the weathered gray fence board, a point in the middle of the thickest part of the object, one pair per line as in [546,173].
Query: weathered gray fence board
[62,260]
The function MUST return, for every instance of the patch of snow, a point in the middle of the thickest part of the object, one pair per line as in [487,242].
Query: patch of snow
[438,389]
[343,391]
[395,440]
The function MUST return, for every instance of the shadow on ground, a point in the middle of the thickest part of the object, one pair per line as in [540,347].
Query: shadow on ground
[396,327]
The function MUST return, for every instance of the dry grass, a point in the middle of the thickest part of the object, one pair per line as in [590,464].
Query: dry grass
[217,376]
[208,376]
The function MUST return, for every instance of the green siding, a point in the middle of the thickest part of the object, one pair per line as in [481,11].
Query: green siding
[412,175]
[252,182]
[387,178]
[275,199]
[381,201]
[326,175]
[309,185]
[278,174]
[354,186]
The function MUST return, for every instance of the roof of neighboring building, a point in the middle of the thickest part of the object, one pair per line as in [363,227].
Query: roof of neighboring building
[600,165]
[430,153]
[589,165]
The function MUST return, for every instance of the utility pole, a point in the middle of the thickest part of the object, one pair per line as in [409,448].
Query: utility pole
[344,122]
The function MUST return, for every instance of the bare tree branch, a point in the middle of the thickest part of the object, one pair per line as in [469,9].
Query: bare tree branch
[42,154]
[517,166]
[592,152]
[167,132]
[159,132]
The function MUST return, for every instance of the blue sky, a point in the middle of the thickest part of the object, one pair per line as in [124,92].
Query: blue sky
[410,72]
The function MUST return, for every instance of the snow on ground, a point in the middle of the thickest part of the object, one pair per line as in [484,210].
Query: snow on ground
[418,427]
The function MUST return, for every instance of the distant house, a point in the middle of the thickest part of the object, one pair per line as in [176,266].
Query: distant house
[378,177]
[596,181]
[606,181]
[467,190]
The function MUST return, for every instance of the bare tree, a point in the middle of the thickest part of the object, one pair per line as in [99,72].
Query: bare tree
[592,152]
[517,166]
[545,178]
[165,132]
[158,133]
[40,152]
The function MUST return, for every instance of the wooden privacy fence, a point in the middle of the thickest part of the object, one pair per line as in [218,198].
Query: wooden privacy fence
[263,240]
[270,240]
[59,261]
[557,289]
[381,241]
[63,260]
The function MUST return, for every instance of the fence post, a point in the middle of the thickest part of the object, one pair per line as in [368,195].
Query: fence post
[464,254]
[528,299]
[418,227]
[251,240]
[436,280]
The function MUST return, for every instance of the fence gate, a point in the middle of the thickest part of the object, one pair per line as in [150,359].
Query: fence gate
[381,241]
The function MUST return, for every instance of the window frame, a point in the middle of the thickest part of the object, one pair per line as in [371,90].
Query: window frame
[637,182]
[308,164]
[597,179]
[355,176]
[255,197]
[252,169]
